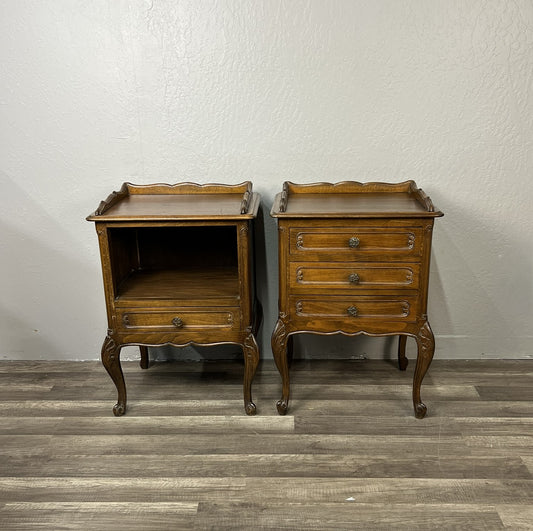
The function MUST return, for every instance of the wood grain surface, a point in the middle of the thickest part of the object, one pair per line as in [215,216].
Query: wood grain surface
[352,199]
[178,201]
[349,455]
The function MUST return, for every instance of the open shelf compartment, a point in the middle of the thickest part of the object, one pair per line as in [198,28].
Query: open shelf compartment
[181,263]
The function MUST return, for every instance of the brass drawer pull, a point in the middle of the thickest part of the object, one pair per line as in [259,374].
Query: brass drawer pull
[354,278]
[177,322]
[352,311]
[354,242]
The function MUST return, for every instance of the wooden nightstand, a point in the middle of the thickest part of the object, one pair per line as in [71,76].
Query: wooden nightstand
[354,259]
[177,268]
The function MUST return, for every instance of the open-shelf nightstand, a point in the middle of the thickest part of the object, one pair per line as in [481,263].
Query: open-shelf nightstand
[178,270]
[354,259]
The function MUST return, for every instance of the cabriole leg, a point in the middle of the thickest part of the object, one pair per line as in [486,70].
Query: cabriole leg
[426,348]
[279,350]
[290,350]
[251,361]
[144,357]
[402,360]
[111,362]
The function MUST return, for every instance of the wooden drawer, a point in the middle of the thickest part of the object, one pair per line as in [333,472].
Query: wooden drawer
[354,309]
[179,319]
[352,277]
[356,243]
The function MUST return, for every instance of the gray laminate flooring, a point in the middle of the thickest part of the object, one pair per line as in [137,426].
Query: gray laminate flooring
[349,455]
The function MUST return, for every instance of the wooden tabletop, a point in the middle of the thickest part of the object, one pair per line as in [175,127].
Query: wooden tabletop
[184,201]
[353,199]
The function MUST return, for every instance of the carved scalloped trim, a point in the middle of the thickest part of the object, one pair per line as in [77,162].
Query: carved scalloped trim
[188,188]
[279,335]
[354,334]
[426,340]
[348,187]
[284,197]
[112,199]
[178,344]
[244,188]
[251,350]
[422,197]
[354,187]
[246,198]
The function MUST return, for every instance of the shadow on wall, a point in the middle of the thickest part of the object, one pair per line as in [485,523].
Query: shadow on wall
[485,308]
[48,293]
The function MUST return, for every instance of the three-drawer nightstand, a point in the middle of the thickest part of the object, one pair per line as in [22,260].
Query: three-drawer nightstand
[178,270]
[354,259]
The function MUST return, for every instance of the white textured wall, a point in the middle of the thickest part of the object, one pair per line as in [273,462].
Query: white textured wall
[93,93]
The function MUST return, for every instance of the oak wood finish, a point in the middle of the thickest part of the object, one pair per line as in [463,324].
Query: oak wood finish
[182,460]
[354,259]
[177,268]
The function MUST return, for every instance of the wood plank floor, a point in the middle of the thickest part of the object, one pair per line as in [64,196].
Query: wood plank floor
[349,455]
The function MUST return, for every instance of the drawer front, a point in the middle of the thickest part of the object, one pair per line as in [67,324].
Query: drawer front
[355,309]
[352,277]
[356,243]
[179,319]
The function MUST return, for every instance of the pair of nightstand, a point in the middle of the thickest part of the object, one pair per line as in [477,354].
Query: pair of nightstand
[178,269]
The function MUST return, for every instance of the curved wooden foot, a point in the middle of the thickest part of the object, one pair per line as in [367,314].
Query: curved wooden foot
[119,409]
[420,410]
[111,362]
[426,348]
[282,406]
[251,361]
[402,360]
[279,350]
[250,408]
[145,362]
